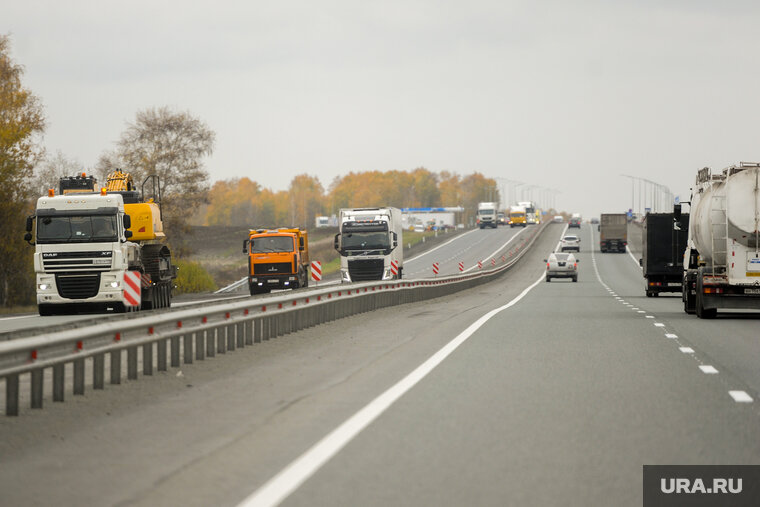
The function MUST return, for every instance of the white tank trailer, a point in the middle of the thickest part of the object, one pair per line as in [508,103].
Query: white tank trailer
[722,256]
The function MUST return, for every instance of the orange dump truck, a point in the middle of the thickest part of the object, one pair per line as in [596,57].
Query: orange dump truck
[277,259]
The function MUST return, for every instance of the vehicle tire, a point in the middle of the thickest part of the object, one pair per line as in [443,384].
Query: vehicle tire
[702,312]
[45,310]
[575,279]
[649,293]
[689,303]
[548,279]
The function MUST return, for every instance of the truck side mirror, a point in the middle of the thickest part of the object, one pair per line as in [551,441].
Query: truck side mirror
[28,238]
[300,244]
[127,221]
[127,234]
[677,212]
[336,242]
[29,223]
[245,246]
[641,262]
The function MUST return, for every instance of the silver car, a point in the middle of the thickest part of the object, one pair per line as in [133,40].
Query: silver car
[561,265]
[570,243]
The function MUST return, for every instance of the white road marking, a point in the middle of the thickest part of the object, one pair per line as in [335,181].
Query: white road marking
[686,350]
[634,258]
[20,317]
[671,335]
[635,309]
[441,245]
[279,487]
[659,324]
[650,316]
[740,396]
[706,368]
[641,311]
[496,252]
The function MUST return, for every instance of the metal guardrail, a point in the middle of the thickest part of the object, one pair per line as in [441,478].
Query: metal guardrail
[167,339]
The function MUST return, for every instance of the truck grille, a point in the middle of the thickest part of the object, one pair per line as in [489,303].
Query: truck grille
[366,269]
[70,261]
[273,268]
[80,286]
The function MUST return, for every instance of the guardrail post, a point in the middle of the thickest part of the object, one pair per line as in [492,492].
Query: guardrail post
[266,328]
[132,363]
[188,347]
[37,378]
[221,340]
[200,346]
[249,331]
[116,367]
[240,332]
[161,353]
[231,331]
[256,325]
[147,359]
[79,376]
[174,351]
[98,370]
[211,342]
[11,394]
[58,375]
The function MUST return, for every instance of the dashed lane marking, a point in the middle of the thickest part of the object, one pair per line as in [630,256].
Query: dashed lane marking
[686,350]
[708,369]
[740,396]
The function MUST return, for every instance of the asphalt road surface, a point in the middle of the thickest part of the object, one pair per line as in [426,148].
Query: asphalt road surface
[518,392]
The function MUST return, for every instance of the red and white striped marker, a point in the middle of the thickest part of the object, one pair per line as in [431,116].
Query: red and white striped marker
[480,264]
[394,268]
[316,271]
[503,258]
[493,262]
[461,266]
[132,289]
[435,268]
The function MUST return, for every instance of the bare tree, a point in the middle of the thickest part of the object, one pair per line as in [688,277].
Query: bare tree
[51,170]
[172,146]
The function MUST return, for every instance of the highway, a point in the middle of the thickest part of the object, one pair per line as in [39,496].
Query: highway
[468,247]
[516,392]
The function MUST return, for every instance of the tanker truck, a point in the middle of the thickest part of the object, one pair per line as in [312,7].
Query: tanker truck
[722,258]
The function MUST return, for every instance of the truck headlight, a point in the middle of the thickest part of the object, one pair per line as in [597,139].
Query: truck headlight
[43,286]
[114,284]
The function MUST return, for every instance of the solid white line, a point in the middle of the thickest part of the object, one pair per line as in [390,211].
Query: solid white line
[20,317]
[634,258]
[279,487]
[441,245]
[740,396]
[497,251]
[706,368]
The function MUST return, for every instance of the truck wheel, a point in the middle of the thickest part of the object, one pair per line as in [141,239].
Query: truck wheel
[649,293]
[45,310]
[689,303]
[702,312]
[548,279]
[575,279]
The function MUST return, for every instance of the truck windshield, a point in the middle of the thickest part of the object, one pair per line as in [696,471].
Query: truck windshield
[366,241]
[76,229]
[272,244]
[485,212]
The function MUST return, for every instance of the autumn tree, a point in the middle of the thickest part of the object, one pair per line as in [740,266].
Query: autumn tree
[22,123]
[306,197]
[172,146]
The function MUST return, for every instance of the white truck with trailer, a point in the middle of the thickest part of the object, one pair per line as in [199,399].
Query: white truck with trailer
[488,214]
[94,252]
[722,257]
[370,244]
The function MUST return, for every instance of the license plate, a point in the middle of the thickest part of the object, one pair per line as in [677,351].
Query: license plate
[273,281]
[752,291]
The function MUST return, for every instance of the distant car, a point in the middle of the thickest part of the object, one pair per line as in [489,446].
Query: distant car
[501,218]
[574,222]
[558,219]
[570,243]
[561,265]
[419,228]
[594,220]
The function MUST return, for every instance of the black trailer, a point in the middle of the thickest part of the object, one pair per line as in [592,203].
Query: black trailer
[663,246]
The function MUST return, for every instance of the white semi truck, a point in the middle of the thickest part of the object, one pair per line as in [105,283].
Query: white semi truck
[100,250]
[370,244]
[722,257]
[487,214]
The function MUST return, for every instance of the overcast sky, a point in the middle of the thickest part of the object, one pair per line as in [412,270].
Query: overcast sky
[563,94]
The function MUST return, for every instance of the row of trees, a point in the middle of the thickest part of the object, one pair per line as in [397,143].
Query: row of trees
[242,202]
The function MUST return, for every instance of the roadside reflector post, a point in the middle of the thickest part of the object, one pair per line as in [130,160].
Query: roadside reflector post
[461,266]
[435,269]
